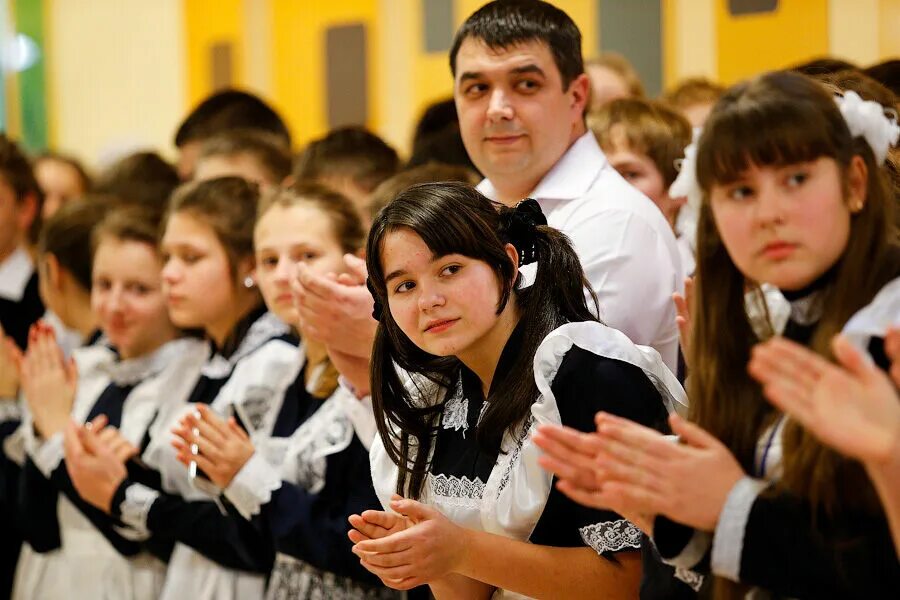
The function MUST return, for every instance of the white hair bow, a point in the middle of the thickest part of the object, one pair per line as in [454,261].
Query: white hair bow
[867,119]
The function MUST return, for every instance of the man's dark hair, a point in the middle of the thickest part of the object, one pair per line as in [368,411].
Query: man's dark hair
[230,109]
[504,23]
[352,152]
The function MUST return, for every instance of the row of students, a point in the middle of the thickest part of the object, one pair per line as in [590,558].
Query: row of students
[145,383]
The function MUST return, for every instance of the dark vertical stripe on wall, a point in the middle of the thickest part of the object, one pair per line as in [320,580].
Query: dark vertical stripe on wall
[29,19]
[438,25]
[634,28]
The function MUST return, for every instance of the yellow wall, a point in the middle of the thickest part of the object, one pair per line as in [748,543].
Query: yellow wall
[210,22]
[889,33]
[749,44]
[124,72]
[115,75]
[299,77]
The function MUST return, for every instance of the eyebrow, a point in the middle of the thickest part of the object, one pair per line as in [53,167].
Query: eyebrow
[524,69]
[394,275]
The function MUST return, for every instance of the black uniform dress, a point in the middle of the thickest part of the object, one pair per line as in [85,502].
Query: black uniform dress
[217,553]
[581,368]
[62,531]
[299,488]
[774,541]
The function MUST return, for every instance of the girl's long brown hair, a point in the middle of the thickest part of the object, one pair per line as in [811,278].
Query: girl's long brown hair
[779,119]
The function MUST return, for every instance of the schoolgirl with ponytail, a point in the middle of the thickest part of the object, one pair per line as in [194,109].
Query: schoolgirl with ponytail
[484,334]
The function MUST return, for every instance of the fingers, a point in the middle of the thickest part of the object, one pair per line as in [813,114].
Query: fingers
[395,542]
[97,423]
[585,497]
[631,439]
[892,343]
[215,422]
[201,429]
[851,358]
[356,267]
[782,362]
[72,445]
[376,518]
[315,285]
[237,429]
[692,434]
[414,510]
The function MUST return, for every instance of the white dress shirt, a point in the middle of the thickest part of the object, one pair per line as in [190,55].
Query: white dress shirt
[15,272]
[626,247]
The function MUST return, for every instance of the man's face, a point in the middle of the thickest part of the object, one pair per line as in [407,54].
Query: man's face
[516,120]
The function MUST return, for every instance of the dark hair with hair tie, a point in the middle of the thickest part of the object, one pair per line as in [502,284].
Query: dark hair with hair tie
[454,218]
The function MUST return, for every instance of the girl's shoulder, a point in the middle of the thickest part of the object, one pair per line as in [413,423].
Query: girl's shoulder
[592,357]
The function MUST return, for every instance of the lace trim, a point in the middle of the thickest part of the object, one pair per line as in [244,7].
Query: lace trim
[294,579]
[809,309]
[456,491]
[135,370]
[135,508]
[265,328]
[456,412]
[691,578]
[526,427]
[611,536]
[253,485]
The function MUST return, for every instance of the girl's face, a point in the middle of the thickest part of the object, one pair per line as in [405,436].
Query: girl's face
[788,225]
[197,279]
[284,237]
[446,305]
[127,296]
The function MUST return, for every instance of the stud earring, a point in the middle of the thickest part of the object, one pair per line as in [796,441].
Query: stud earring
[249,282]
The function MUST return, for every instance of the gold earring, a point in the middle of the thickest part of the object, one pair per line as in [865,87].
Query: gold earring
[856,206]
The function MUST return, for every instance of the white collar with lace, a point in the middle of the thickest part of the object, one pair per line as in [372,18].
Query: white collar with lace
[265,328]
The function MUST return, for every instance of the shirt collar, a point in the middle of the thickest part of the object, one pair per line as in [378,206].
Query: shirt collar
[15,272]
[570,178]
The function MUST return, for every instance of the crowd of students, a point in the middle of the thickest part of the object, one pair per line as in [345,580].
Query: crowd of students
[582,344]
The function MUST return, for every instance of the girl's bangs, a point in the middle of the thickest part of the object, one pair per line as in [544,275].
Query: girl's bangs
[764,134]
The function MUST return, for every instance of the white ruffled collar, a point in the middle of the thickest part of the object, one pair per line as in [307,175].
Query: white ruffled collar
[265,328]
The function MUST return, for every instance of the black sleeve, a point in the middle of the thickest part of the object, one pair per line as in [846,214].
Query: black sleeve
[10,531]
[103,522]
[37,511]
[313,527]
[585,384]
[792,552]
[215,530]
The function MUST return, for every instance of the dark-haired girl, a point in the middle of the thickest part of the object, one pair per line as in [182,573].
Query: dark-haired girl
[471,355]
[794,195]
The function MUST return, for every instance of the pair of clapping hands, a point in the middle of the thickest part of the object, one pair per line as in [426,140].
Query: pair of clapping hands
[852,406]
[43,374]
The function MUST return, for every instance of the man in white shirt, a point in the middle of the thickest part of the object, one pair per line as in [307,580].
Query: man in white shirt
[521,92]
